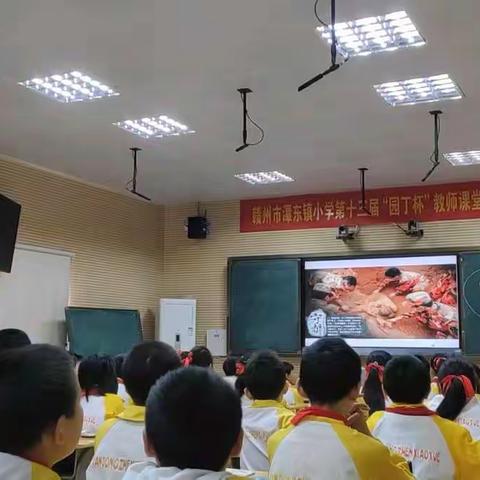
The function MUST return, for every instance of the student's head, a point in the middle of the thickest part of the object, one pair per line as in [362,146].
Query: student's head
[40,413]
[144,365]
[458,383]
[289,368]
[97,376]
[265,376]
[13,338]
[373,387]
[119,360]
[230,366]
[406,380]
[330,372]
[349,282]
[436,362]
[193,420]
[201,357]
[392,273]
[424,360]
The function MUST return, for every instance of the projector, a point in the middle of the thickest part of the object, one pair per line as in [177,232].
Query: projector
[347,232]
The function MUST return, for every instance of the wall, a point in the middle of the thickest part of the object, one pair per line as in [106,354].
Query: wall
[117,241]
[197,268]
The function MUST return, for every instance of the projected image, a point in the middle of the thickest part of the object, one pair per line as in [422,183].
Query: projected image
[384,302]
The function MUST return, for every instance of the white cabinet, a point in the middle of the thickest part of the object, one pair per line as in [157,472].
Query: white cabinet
[177,322]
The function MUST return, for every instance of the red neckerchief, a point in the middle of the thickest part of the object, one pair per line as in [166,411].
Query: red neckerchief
[417,411]
[447,381]
[316,412]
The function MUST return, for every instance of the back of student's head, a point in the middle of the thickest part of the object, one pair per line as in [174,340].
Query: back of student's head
[288,367]
[406,380]
[373,386]
[119,361]
[265,375]
[330,369]
[144,365]
[96,375]
[201,357]
[437,361]
[458,383]
[13,338]
[193,419]
[37,388]
[230,366]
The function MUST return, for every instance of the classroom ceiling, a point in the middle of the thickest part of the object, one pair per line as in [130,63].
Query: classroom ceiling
[187,58]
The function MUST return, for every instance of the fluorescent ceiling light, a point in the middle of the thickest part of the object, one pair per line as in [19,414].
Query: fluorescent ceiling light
[69,87]
[264,178]
[159,127]
[374,34]
[419,90]
[458,159]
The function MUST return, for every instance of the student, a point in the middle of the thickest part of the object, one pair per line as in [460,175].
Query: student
[13,338]
[437,448]
[292,398]
[100,401]
[122,391]
[119,441]
[458,382]
[229,369]
[193,426]
[266,383]
[199,357]
[319,443]
[373,393]
[40,412]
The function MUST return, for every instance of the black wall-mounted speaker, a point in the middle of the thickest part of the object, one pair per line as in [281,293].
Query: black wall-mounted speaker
[197,227]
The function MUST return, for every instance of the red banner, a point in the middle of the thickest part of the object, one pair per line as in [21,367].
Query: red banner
[455,201]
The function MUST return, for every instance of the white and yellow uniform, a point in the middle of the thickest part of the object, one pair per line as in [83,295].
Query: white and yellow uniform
[469,418]
[318,444]
[293,398]
[123,394]
[438,449]
[97,409]
[17,468]
[150,471]
[260,420]
[119,444]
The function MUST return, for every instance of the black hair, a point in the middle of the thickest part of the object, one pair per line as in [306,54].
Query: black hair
[13,338]
[455,398]
[477,373]
[350,280]
[392,272]
[144,365]
[437,361]
[193,419]
[289,368]
[201,357]
[265,375]
[37,388]
[373,387]
[240,385]
[230,366]
[119,360]
[425,362]
[320,294]
[184,355]
[406,380]
[97,373]
[329,370]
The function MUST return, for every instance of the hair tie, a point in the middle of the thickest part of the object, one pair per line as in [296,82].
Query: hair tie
[187,361]
[375,366]
[447,381]
[239,368]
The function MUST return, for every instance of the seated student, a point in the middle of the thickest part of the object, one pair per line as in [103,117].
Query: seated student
[437,448]
[40,412]
[373,393]
[122,391]
[265,382]
[319,443]
[292,398]
[436,363]
[119,441]
[458,382]
[229,369]
[193,426]
[100,401]
[13,338]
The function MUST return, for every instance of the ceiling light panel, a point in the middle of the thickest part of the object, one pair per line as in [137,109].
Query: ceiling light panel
[369,35]
[419,90]
[69,87]
[158,127]
[458,159]
[263,178]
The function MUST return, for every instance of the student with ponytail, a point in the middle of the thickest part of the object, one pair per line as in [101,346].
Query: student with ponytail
[436,363]
[458,383]
[373,387]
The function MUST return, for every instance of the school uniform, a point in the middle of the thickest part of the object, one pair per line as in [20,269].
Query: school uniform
[259,421]
[17,468]
[119,444]
[437,448]
[123,394]
[150,471]
[469,417]
[230,379]
[97,409]
[319,445]
[293,398]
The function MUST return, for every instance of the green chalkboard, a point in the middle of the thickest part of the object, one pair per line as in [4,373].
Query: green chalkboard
[469,288]
[264,305]
[102,331]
